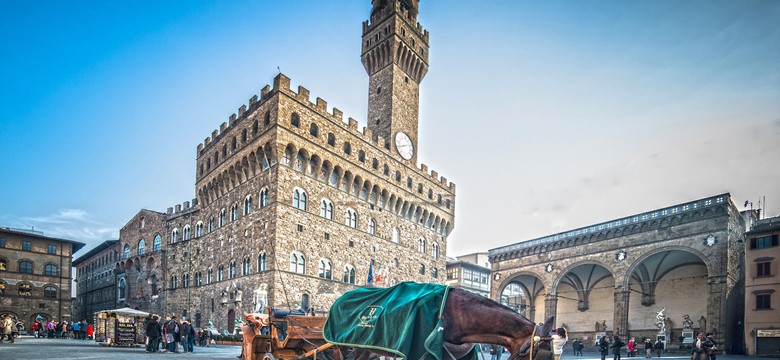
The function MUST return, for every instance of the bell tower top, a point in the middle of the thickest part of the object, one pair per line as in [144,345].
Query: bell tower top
[409,6]
[395,56]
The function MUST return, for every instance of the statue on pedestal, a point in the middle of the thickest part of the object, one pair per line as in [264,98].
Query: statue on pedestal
[660,321]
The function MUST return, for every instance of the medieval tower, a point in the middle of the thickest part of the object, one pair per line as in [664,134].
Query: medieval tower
[296,205]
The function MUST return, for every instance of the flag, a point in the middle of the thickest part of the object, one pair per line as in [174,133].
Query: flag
[370,272]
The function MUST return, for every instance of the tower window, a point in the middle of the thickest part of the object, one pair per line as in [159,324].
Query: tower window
[406,79]
[331,139]
[267,119]
[347,148]
[313,130]
[361,156]
[379,90]
[295,120]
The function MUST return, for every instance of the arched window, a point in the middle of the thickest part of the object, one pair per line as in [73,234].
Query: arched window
[396,235]
[375,164]
[174,236]
[122,289]
[297,263]
[254,127]
[397,176]
[422,269]
[157,245]
[326,209]
[435,273]
[209,275]
[244,136]
[246,266]
[248,205]
[435,250]
[264,197]
[199,229]
[421,245]
[313,130]
[212,224]
[362,156]
[299,199]
[331,139]
[222,218]
[325,269]
[350,218]
[347,148]
[141,247]
[126,252]
[349,274]
[295,120]
[185,280]
[371,227]
[50,270]
[267,119]
[198,279]
[49,292]
[386,170]
[174,281]
[153,282]
[233,269]
[221,273]
[262,262]
[187,232]
[234,144]
[234,213]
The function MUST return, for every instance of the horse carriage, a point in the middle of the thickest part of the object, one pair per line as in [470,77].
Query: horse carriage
[410,320]
[284,335]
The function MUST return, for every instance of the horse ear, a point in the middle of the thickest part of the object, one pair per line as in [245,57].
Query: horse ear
[548,325]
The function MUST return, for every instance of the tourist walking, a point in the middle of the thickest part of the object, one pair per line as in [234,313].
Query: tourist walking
[648,348]
[6,329]
[604,347]
[658,347]
[616,345]
[153,334]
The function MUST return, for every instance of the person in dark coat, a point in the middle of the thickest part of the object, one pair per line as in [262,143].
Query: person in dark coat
[604,347]
[658,347]
[616,345]
[153,332]
[712,349]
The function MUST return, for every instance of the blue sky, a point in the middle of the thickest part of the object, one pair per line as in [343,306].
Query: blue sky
[548,115]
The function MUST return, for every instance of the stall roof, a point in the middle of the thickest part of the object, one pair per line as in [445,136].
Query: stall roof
[127,310]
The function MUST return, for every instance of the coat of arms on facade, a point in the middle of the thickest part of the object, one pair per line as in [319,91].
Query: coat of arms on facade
[710,240]
[621,255]
[548,268]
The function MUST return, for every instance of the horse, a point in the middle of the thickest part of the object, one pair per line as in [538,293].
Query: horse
[467,319]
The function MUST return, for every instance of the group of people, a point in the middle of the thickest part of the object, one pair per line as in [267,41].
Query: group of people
[81,330]
[172,334]
[633,347]
[704,347]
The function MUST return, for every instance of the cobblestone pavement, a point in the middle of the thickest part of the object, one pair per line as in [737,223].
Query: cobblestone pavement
[29,348]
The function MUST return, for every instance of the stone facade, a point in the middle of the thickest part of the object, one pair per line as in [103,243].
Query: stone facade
[685,258]
[140,267]
[762,320]
[35,275]
[296,206]
[96,280]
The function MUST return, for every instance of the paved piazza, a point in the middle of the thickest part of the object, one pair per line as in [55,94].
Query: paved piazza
[28,348]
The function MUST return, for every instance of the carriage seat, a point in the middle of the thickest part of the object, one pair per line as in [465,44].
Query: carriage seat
[281,314]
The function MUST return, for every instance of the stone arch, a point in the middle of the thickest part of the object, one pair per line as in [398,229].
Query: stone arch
[534,290]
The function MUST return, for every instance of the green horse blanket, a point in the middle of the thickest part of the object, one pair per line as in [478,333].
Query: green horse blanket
[404,320]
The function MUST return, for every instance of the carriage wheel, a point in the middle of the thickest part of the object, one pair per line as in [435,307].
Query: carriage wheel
[269,356]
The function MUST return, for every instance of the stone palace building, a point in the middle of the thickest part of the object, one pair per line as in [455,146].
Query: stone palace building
[296,205]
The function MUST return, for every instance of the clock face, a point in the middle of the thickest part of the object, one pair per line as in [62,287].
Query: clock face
[404,145]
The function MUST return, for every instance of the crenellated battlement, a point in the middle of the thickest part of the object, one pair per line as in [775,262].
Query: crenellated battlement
[282,83]
[184,207]
[385,12]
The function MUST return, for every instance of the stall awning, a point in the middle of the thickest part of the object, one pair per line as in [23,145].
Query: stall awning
[127,311]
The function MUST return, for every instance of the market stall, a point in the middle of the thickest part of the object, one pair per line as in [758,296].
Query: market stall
[121,327]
